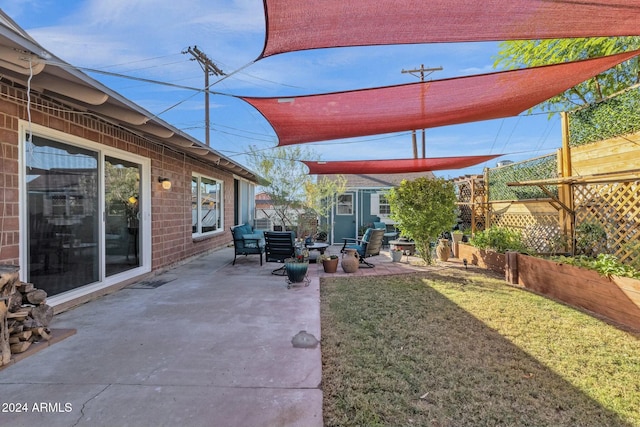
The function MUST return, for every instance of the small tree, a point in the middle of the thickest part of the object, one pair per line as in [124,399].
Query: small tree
[423,209]
[284,179]
[321,196]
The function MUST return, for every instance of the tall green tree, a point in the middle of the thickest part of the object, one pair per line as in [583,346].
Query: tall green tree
[531,53]
[423,209]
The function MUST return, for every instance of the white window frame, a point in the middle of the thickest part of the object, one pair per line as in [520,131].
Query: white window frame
[220,201]
[339,205]
[375,206]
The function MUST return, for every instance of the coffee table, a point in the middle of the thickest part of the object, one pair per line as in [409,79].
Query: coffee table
[318,246]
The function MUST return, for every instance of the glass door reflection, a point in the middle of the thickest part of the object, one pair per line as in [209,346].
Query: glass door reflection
[122,219]
[62,211]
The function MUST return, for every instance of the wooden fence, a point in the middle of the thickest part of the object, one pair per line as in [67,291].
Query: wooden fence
[596,184]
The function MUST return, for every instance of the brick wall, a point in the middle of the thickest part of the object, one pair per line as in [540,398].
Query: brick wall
[171,209]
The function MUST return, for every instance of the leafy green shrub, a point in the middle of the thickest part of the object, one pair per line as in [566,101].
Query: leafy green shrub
[422,209]
[605,264]
[499,239]
[591,238]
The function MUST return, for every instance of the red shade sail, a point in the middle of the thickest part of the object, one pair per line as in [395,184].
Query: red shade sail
[395,165]
[424,104]
[310,24]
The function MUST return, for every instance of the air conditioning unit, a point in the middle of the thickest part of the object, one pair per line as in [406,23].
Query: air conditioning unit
[262,224]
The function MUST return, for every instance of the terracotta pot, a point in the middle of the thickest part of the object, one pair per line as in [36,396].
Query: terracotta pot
[350,261]
[443,250]
[330,265]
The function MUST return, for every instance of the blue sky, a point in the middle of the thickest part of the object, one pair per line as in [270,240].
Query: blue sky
[145,39]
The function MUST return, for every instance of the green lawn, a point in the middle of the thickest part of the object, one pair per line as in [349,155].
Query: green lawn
[460,348]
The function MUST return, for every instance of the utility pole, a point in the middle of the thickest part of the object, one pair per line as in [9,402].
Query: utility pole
[209,68]
[422,75]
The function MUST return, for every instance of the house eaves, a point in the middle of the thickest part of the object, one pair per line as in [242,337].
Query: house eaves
[23,59]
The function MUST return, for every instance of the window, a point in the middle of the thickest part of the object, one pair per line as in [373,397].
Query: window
[380,205]
[383,207]
[206,205]
[345,204]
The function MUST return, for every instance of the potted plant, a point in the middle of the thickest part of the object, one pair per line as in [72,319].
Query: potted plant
[329,263]
[396,254]
[296,269]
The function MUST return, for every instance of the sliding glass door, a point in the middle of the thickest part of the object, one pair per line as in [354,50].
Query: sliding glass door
[62,210]
[84,215]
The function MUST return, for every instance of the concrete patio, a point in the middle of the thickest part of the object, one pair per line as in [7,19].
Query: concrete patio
[205,343]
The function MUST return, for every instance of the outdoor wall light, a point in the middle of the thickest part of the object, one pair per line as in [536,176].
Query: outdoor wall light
[166,183]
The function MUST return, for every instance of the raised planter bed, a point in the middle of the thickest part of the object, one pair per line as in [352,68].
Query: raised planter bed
[617,298]
[482,258]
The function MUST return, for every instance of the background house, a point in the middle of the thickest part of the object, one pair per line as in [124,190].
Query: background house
[363,203]
[95,192]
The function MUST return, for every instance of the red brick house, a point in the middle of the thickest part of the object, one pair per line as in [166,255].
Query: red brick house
[96,192]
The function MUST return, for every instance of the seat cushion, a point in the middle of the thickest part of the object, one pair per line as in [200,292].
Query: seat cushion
[240,230]
[254,240]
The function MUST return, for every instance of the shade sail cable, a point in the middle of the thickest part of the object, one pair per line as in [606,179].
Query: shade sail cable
[376,111]
[294,25]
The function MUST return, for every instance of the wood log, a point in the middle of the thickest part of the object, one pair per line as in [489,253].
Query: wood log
[5,347]
[20,314]
[42,314]
[23,336]
[8,274]
[29,323]
[14,340]
[15,326]
[42,333]
[37,296]
[20,347]
[15,302]
[25,287]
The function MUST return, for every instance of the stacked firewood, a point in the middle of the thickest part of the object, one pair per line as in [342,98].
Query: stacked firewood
[24,314]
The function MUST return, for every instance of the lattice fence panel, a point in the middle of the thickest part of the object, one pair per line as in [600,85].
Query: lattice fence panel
[616,207]
[471,193]
[540,231]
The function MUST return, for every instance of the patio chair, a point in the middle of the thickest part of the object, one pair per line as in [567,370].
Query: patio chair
[369,246]
[279,245]
[247,241]
[388,235]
